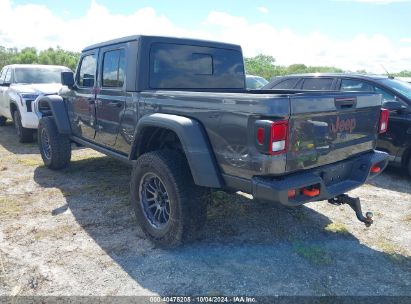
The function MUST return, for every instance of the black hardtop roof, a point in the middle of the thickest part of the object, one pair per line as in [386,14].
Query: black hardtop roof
[165,39]
[354,75]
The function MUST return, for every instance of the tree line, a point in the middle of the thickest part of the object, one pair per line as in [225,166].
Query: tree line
[260,65]
[29,55]
[265,66]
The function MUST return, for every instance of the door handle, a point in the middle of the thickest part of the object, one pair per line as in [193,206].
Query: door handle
[115,104]
[345,102]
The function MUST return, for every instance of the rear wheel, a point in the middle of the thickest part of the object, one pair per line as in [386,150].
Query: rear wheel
[55,148]
[169,207]
[2,121]
[25,135]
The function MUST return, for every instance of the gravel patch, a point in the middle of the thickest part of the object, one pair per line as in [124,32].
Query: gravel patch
[73,232]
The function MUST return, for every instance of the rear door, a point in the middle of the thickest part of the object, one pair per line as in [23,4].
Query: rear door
[111,96]
[329,127]
[390,141]
[82,104]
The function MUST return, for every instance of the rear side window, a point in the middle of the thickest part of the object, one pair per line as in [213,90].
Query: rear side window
[113,68]
[87,72]
[286,84]
[319,84]
[356,85]
[252,83]
[175,66]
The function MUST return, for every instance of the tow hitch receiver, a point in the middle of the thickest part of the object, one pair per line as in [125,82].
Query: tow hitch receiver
[355,204]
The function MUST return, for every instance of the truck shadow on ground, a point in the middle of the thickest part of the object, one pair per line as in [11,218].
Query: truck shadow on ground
[10,142]
[247,248]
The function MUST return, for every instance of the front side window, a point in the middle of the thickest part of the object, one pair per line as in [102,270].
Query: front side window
[356,85]
[252,83]
[114,69]
[2,75]
[7,78]
[255,82]
[385,95]
[317,84]
[399,86]
[87,71]
[175,66]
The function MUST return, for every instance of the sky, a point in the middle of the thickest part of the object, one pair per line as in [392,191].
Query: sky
[349,34]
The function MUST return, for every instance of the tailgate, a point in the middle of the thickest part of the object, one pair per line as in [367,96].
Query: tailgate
[329,127]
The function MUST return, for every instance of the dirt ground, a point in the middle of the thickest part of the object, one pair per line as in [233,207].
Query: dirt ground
[73,232]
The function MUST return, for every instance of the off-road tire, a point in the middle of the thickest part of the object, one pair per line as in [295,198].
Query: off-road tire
[57,154]
[25,135]
[187,202]
[2,121]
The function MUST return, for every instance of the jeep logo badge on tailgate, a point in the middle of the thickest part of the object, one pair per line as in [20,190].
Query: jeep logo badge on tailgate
[342,125]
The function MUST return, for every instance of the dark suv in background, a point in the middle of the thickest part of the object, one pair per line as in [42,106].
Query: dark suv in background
[396,97]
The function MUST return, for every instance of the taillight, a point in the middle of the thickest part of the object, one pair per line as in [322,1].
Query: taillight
[383,124]
[278,137]
[375,169]
[260,136]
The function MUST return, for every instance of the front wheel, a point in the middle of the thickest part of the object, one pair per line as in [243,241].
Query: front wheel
[2,121]
[25,135]
[55,148]
[169,207]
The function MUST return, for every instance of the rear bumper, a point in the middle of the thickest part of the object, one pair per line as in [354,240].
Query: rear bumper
[331,180]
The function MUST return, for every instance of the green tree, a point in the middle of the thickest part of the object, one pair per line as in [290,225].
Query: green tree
[261,65]
[264,66]
[296,68]
[59,56]
[31,55]
[404,73]
[27,55]
[6,55]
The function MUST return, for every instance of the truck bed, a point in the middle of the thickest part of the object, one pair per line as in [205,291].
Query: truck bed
[324,127]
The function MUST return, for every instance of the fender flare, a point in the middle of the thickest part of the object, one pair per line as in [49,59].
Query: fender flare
[15,103]
[58,111]
[195,144]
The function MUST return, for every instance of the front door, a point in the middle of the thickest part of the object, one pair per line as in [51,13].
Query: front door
[2,91]
[5,77]
[82,103]
[110,99]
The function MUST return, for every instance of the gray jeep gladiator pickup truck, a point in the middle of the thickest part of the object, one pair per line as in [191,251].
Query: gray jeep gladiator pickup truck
[178,111]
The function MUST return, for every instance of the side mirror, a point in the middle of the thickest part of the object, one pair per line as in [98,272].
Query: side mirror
[67,79]
[5,84]
[393,105]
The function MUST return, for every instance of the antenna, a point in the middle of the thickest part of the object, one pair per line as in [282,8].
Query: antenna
[388,74]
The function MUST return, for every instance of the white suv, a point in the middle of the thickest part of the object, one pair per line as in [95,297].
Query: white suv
[20,85]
